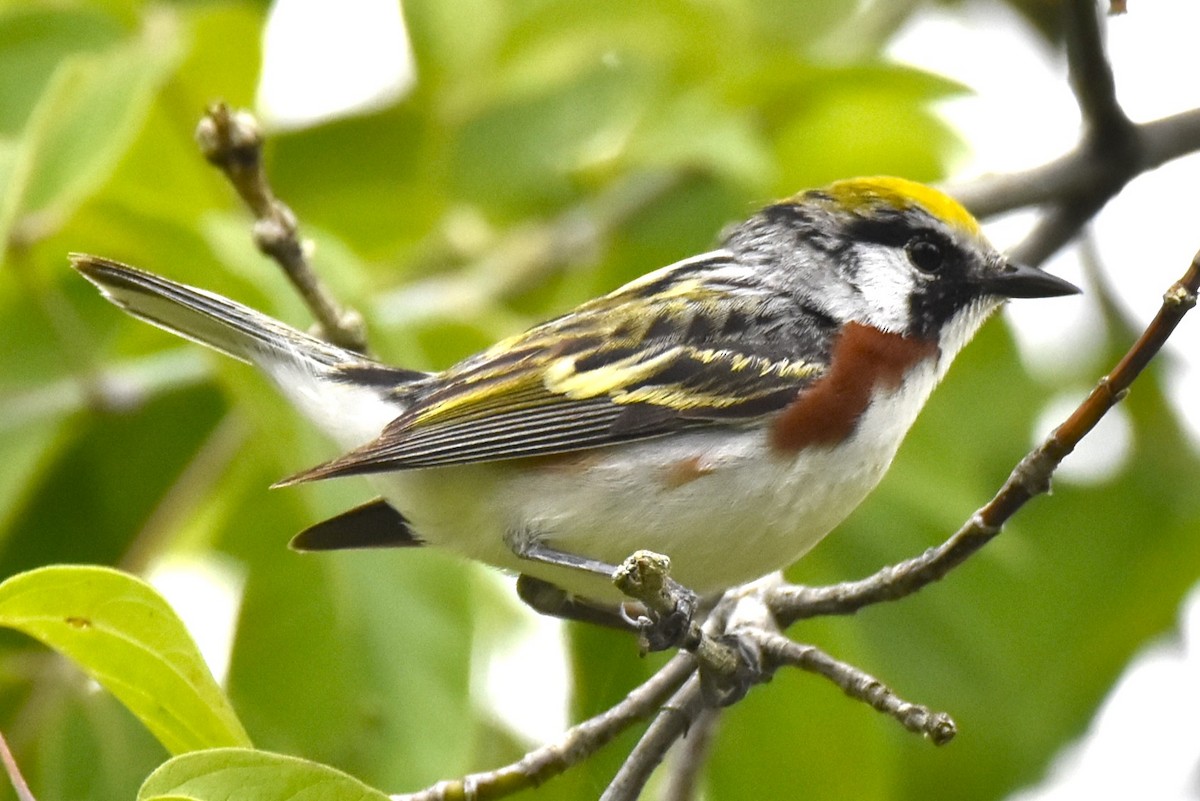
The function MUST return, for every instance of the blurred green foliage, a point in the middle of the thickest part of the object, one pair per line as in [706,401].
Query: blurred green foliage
[551,150]
[131,642]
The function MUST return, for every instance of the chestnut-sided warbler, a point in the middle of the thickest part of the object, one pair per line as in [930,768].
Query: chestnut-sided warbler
[727,410]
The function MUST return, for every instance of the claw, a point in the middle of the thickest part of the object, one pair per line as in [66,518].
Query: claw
[658,631]
[669,619]
[732,665]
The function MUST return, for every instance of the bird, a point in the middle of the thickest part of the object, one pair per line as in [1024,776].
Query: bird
[727,411]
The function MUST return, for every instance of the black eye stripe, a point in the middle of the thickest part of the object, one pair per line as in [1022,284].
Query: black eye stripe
[884,229]
[929,250]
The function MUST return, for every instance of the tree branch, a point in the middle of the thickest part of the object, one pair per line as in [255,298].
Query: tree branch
[1091,75]
[576,744]
[778,651]
[232,141]
[1079,172]
[688,762]
[1110,140]
[672,723]
[19,785]
[1113,151]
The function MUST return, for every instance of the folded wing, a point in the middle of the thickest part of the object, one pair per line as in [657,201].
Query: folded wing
[665,353]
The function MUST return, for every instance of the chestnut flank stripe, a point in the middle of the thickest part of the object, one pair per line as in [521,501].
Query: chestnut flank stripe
[864,359]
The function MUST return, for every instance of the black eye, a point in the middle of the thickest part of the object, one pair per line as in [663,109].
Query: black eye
[926,255]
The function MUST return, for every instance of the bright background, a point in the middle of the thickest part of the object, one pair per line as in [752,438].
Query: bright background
[426,175]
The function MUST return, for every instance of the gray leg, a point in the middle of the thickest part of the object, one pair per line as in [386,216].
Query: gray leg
[657,632]
[535,551]
[550,599]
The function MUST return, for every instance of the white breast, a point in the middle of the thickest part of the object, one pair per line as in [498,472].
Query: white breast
[721,504]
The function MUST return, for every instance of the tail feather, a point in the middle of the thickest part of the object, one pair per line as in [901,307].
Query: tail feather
[346,394]
[204,317]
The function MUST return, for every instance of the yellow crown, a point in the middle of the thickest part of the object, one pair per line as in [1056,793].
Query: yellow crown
[859,194]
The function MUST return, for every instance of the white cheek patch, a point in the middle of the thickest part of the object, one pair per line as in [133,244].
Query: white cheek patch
[887,282]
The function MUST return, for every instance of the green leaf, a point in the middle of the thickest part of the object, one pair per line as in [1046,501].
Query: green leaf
[123,634]
[528,151]
[85,119]
[114,468]
[386,188]
[696,131]
[33,42]
[238,774]
[863,121]
[88,746]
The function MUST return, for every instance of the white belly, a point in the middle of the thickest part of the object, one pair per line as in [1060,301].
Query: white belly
[721,504]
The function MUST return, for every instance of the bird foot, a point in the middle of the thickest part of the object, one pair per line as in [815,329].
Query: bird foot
[668,617]
[729,666]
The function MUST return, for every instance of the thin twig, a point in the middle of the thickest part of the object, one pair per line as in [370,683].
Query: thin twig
[1091,76]
[779,651]
[730,635]
[1113,151]
[233,140]
[1110,140]
[1031,477]
[576,744]
[726,671]
[687,764]
[14,772]
[1057,227]
[672,723]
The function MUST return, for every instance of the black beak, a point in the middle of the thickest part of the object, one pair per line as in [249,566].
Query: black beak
[1019,281]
